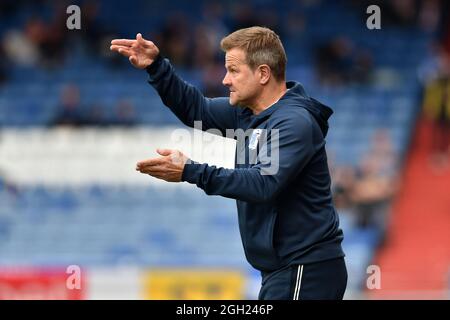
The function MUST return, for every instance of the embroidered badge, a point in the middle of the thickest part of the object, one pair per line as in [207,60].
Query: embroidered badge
[254,139]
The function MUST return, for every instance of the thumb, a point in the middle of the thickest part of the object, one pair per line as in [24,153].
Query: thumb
[164,152]
[133,60]
[140,39]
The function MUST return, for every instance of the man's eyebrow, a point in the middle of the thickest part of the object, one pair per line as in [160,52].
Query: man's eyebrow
[231,65]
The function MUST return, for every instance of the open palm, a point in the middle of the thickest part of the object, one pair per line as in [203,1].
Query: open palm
[140,52]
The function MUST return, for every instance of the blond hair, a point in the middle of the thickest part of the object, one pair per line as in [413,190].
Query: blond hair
[261,46]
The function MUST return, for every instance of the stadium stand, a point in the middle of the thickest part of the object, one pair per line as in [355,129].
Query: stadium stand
[49,218]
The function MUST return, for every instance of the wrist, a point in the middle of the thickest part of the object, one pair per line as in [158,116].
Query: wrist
[189,170]
[153,67]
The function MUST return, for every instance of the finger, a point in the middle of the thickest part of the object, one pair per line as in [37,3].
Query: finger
[153,168]
[123,51]
[123,42]
[164,152]
[153,172]
[141,40]
[150,162]
[145,43]
[158,176]
[116,47]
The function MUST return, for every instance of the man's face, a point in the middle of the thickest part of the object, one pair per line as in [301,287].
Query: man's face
[242,82]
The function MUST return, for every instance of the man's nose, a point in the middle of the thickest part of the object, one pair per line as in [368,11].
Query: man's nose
[226,81]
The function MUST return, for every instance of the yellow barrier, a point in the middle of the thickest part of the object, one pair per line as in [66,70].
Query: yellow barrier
[193,284]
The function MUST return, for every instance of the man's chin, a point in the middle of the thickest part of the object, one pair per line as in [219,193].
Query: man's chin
[233,102]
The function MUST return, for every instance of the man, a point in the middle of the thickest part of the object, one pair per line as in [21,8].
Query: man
[289,227]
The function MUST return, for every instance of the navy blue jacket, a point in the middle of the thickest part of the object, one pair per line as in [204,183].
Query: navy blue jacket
[285,209]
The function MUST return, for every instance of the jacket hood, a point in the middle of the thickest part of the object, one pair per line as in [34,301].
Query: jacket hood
[319,111]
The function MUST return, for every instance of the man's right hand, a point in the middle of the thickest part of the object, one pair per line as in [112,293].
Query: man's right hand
[140,52]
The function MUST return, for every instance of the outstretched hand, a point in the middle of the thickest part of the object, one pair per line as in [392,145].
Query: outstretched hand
[140,52]
[169,167]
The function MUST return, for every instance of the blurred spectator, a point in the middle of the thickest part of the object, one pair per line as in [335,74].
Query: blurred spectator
[69,113]
[383,155]
[91,30]
[20,49]
[343,182]
[174,39]
[270,19]
[204,47]
[371,195]
[435,76]
[97,36]
[125,114]
[48,39]
[400,12]
[212,20]
[95,116]
[435,62]
[53,46]
[339,62]
[361,72]
[38,41]
[207,36]
[429,15]
[363,194]
[436,107]
[376,183]
[242,16]
[330,59]
[295,25]
[212,76]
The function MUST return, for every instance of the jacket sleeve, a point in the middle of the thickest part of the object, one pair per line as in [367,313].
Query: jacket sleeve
[187,102]
[263,181]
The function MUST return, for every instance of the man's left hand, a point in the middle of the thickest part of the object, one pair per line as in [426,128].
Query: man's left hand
[169,167]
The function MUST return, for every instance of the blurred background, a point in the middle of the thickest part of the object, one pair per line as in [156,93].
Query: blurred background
[75,118]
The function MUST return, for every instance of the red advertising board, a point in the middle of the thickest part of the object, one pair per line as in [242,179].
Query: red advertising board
[39,284]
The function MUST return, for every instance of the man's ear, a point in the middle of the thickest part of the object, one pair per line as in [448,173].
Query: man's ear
[265,73]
